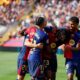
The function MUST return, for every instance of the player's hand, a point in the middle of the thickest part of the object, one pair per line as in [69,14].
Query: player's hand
[39,45]
[78,45]
[22,32]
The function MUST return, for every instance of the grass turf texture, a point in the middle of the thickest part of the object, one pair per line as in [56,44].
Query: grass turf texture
[8,63]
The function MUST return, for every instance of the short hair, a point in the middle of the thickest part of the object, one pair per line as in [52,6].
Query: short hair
[74,19]
[39,20]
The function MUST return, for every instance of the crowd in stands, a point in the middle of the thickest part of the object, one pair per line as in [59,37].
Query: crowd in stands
[56,11]
[13,11]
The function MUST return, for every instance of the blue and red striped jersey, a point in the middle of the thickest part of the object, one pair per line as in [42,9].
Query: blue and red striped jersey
[73,42]
[40,36]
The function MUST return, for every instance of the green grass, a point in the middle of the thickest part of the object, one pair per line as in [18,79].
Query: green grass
[8,64]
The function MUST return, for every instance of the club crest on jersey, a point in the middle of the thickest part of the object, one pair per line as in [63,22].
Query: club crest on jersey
[72,42]
[53,45]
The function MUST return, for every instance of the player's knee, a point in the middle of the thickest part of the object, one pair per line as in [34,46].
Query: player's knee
[49,73]
[53,76]
[20,77]
[17,79]
[70,77]
[32,78]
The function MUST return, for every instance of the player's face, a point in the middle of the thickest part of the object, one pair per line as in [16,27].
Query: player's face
[72,25]
[45,23]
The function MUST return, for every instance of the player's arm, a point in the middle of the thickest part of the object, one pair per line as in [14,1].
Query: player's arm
[77,47]
[22,32]
[33,45]
[68,47]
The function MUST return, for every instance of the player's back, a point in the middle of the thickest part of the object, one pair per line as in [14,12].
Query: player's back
[50,50]
[39,37]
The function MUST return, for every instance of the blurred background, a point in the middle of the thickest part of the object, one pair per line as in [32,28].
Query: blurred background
[17,14]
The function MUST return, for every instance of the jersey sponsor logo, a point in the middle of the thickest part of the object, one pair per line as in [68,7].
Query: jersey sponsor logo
[53,45]
[72,42]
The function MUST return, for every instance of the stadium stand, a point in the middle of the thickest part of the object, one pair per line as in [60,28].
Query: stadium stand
[10,20]
[53,10]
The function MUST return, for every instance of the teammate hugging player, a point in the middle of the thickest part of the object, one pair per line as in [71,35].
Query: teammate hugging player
[36,40]
[72,50]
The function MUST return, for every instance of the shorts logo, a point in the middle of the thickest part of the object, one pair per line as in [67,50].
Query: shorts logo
[53,45]
[71,42]
[24,68]
[41,68]
[67,66]
[46,63]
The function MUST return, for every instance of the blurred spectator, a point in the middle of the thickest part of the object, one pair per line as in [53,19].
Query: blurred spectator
[56,11]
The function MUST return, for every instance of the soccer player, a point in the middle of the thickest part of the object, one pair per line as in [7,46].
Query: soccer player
[22,64]
[36,37]
[72,50]
[22,57]
[49,56]
[57,36]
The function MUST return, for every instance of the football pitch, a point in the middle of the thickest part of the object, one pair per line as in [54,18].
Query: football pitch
[8,66]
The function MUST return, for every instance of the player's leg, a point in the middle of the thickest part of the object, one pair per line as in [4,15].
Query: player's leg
[46,69]
[30,66]
[53,68]
[69,70]
[50,69]
[69,76]
[22,69]
[49,75]
[78,71]
[20,77]
[35,70]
